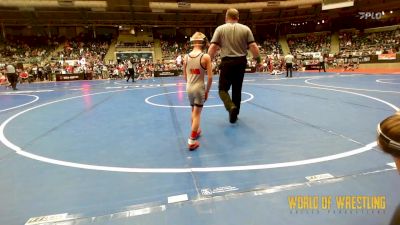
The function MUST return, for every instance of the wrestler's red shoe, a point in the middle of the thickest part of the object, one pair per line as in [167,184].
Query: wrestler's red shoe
[198,134]
[193,144]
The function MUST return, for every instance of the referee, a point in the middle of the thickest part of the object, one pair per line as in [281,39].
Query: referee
[233,39]
[321,63]
[12,76]
[289,64]
[131,70]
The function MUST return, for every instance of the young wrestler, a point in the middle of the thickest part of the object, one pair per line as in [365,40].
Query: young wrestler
[196,65]
[389,137]
[389,141]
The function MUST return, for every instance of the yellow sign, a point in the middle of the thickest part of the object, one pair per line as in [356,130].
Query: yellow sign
[345,202]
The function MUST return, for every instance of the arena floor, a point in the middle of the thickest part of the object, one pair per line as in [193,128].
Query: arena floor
[112,152]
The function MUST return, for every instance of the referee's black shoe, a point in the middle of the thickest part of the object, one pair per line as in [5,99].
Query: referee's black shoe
[233,112]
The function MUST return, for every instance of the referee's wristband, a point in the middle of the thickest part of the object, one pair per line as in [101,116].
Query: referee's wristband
[258,59]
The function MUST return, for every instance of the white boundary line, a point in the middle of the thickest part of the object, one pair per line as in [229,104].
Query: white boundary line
[25,92]
[149,84]
[66,84]
[18,106]
[383,81]
[337,90]
[147,100]
[356,89]
[21,152]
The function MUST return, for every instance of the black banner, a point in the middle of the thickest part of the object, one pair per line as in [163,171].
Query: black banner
[67,77]
[167,73]
[312,67]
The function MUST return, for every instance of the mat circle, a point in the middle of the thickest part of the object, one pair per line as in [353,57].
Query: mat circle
[148,101]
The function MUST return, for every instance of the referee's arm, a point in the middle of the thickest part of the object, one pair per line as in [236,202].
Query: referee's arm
[184,68]
[255,52]
[213,49]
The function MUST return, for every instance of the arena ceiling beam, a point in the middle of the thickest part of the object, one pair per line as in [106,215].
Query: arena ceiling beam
[53,3]
[138,12]
[185,6]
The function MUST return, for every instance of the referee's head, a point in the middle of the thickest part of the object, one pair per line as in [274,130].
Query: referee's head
[232,15]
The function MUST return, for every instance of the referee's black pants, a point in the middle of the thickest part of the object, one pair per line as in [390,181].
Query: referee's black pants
[322,66]
[131,74]
[289,67]
[12,79]
[232,74]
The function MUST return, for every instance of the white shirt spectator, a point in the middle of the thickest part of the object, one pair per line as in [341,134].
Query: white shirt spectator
[179,60]
[116,72]
[82,61]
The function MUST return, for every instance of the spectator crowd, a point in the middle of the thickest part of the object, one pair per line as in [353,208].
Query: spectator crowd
[357,43]
[39,58]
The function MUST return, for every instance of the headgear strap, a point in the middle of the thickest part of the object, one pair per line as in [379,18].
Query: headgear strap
[199,37]
[391,143]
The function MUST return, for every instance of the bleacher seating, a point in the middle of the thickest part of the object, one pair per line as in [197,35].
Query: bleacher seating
[314,42]
[359,43]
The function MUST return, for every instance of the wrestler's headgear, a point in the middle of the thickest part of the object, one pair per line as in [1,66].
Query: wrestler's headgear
[389,135]
[199,38]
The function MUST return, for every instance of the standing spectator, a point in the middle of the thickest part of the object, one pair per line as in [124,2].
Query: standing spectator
[104,72]
[12,76]
[289,64]
[179,62]
[233,39]
[321,63]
